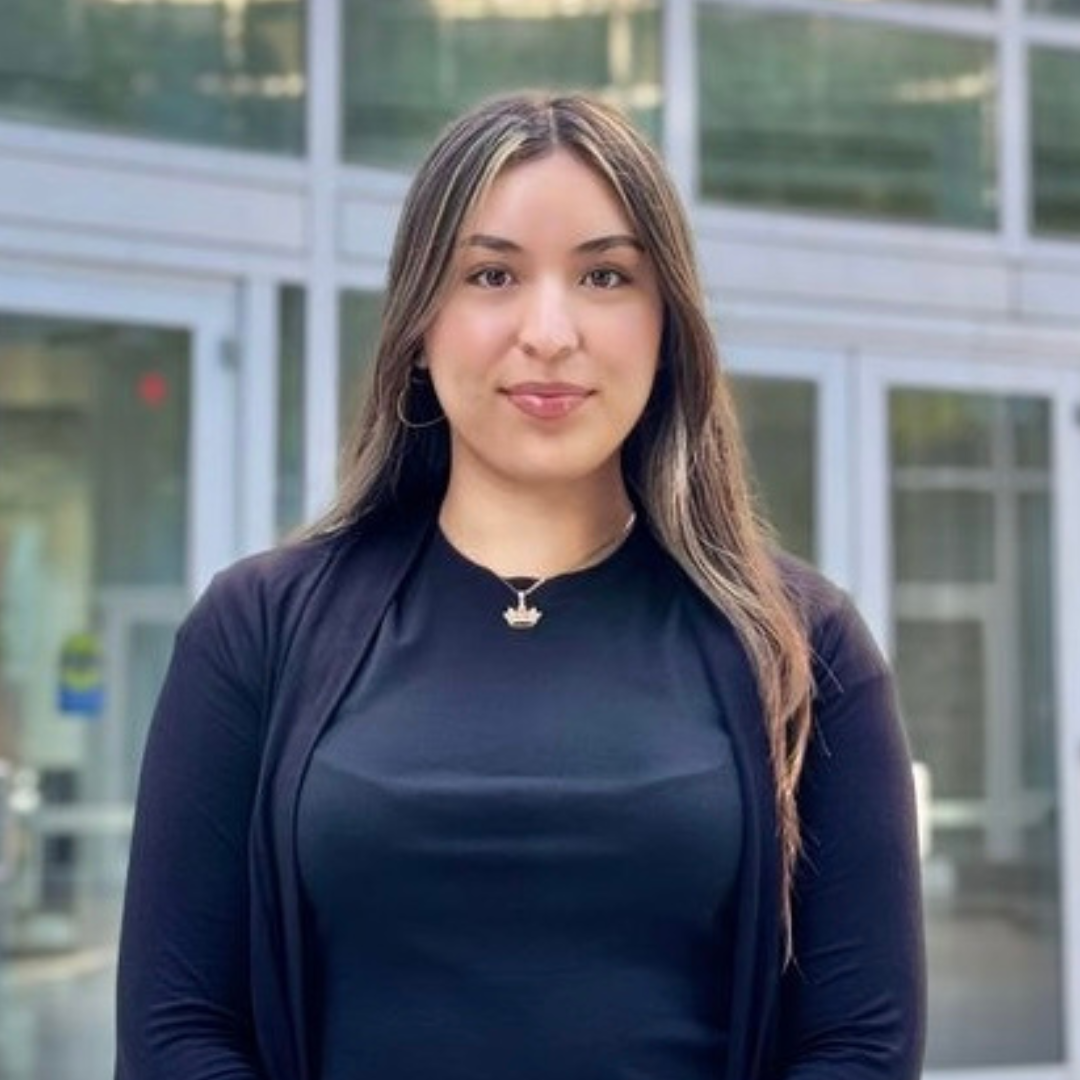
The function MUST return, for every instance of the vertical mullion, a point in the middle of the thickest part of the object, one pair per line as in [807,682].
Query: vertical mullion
[321,335]
[1066,517]
[680,83]
[833,493]
[1014,135]
[873,550]
[258,419]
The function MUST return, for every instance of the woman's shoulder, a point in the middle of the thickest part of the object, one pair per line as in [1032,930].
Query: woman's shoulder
[273,587]
[843,648]
[275,573]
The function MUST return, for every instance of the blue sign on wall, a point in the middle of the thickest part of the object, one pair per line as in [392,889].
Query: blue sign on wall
[81,687]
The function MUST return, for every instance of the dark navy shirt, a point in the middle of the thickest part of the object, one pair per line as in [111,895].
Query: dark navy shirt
[520,848]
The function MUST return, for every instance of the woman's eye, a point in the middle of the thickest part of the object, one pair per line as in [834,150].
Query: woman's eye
[490,277]
[605,278]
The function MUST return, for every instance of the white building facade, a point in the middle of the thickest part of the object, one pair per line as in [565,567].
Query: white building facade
[197,199]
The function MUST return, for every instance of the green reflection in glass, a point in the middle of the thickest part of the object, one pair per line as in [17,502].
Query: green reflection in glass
[292,314]
[969,430]
[226,74]
[932,3]
[941,668]
[75,399]
[943,535]
[973,595]
[826,114]
[1034,600]
[941,429]
[1055,94]
[1029,420]
[360,314]
[779,418]
[412,65]
[1054,7]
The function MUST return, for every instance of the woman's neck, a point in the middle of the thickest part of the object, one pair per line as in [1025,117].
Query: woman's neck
[535,535]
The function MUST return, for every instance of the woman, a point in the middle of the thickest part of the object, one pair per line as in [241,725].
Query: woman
[533,759]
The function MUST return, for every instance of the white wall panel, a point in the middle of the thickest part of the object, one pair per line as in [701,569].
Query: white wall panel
[125,199]
[859,277]
[1051,294]
[367,227]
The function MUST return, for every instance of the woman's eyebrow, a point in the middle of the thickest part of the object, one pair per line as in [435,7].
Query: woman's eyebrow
[491,243]
[587,247]
[606,243]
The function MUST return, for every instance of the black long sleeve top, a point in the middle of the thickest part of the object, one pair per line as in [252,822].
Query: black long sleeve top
[215,949]
[520,848]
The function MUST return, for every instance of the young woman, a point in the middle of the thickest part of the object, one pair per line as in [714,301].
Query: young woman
[534,759]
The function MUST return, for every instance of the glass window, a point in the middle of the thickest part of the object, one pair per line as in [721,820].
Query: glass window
[779,418]
[290,449]
[932,3]
[1055,7]
[1055,96]
[360,319]
[411,65]
[833,115]
[945,429]
[942,535]
[94,496]
[204,71]
[973,593]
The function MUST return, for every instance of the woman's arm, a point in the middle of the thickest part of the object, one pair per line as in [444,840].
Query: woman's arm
[854,997]
[183,992]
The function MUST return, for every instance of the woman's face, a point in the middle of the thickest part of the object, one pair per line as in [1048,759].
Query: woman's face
[545,349]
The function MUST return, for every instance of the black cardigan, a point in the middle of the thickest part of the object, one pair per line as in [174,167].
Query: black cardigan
[211,979]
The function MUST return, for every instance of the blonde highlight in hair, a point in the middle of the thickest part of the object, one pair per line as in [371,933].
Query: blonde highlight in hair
[684,460]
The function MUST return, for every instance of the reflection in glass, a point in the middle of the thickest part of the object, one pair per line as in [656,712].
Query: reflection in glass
[1055,95]
[946,429]
[779,421]
[934,3]
[943,535]
[1054,7]
[292,311]
[227,74]
[360,314]
[411,65]
[973,588]
[93,564]
[827,114]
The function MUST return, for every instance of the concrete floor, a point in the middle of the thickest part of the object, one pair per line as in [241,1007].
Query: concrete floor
[56,1017]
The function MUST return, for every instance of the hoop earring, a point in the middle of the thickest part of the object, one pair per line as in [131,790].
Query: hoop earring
[399,406]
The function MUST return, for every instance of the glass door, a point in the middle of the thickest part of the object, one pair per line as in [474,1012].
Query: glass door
[104,533]
[792,409]
[970,480]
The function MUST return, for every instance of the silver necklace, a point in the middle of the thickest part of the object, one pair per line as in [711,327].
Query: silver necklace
[525,616]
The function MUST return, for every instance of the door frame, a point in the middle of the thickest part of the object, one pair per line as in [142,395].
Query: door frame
[207,310]
[877,376]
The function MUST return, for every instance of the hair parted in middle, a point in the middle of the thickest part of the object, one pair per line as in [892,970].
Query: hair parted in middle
[684,461]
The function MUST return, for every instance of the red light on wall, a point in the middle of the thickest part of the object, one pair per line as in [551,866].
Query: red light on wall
[153,389]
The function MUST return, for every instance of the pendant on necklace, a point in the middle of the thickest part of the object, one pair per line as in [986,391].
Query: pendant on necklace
[522,617]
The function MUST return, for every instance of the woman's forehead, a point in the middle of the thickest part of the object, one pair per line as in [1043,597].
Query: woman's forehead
[557,191]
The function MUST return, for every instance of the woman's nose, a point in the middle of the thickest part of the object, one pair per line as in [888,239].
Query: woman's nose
[548,327]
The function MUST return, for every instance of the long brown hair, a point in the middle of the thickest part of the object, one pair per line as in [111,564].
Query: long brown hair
[684,460]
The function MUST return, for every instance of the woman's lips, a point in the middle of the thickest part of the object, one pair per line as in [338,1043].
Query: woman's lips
[547,401]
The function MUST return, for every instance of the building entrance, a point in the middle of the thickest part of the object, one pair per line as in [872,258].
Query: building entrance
[105,530]
[971,477]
